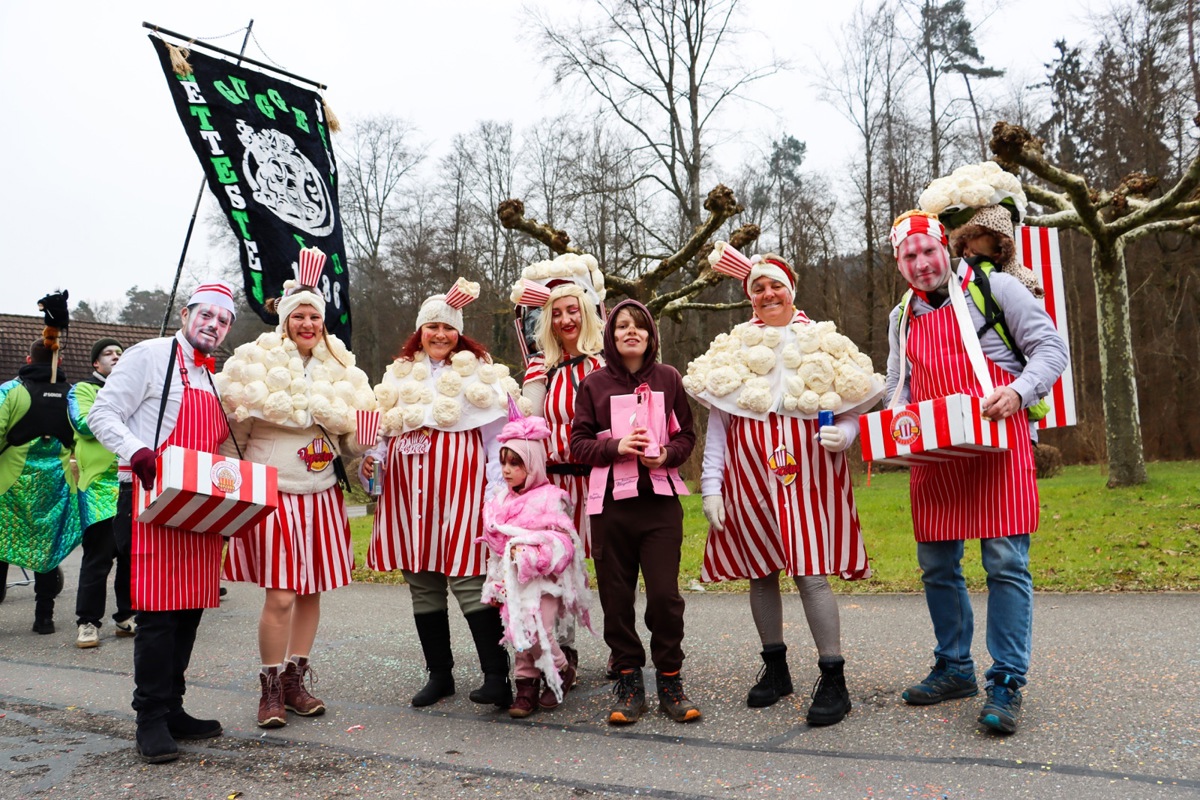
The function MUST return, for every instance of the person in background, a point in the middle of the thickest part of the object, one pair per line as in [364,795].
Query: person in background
[98,506]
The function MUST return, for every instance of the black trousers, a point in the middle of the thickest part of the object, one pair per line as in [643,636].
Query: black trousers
[46,585]
[99,553]
[162,648]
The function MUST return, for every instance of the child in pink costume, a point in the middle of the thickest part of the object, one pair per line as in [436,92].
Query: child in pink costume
[535,565]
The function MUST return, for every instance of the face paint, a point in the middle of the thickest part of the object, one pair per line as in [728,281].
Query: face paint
[205,326]
[923,262]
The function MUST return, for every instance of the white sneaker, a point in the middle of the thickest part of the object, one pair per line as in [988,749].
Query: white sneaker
[126,627]
[89,636]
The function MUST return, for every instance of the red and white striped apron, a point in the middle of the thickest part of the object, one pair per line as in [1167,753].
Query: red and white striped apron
[173,569]
[559,410]
[990,495]
[304,546]
[789,505]
[431,509]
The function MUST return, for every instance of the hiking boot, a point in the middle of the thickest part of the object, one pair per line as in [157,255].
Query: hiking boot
[295,696]
[271,712]
[573,660]
[155,745]
[526,701]
[1003,707]
[671,699]
[774,679]
[89,636]
[183,725]
[630,694]
[830,698]
[547,700]
[125,627]
[941,684]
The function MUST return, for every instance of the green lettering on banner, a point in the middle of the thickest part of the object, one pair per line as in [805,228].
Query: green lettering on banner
[227,93]
[264,105]
[337,263]
[224,167]
[324,140]
[257,289]
[301,120]
[275,97]
[202,113]
[299,240]
[241,218]
[345,318]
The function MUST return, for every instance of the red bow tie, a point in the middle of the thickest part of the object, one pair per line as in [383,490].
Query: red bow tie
[201,360]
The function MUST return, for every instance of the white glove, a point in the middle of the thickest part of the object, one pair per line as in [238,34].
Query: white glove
[714,510]
[834,438]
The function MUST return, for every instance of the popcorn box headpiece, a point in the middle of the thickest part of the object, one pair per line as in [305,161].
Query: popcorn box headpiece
[726,260]
[448,307]
[911,222]
[533,294]
[463,293]
[309,266]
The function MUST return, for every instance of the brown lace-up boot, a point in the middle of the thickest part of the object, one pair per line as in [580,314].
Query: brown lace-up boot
[295,696]
[271,712]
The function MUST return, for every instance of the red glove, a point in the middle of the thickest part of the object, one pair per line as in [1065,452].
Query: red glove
[144,465]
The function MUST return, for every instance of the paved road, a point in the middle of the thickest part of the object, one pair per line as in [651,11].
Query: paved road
[1111,712]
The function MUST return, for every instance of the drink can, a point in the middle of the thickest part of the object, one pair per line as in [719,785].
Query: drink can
[374,485]
[824,418]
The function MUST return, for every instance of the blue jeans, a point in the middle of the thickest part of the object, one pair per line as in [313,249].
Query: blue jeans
[1009,604]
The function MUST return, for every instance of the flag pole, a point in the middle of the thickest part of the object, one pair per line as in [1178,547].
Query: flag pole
[187,238]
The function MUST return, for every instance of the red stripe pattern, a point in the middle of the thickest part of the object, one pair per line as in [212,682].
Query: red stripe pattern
[1037,248]
[807,525]
[431,509]
[990,495]
[174,569]
[303,547]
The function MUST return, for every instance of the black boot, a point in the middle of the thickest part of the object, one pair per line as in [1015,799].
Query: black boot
[830,698]
[43,616]
[433,629]
[154,742]
[487,629]
[774,679]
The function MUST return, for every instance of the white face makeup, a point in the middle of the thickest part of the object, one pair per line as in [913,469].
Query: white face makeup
[205,326]
[924,262]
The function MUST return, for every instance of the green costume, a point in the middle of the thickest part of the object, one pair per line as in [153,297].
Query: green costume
[97,466]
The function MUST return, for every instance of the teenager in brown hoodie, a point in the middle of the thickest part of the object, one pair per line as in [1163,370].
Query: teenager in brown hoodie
[641,532]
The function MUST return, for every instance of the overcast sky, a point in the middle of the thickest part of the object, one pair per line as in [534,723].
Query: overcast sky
[100,180]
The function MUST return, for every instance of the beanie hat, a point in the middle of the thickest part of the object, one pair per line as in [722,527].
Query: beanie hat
[769,266]
[447,308]
[99,346]
[217,293]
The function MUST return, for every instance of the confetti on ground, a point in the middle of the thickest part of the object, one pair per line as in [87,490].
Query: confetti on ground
[355,728]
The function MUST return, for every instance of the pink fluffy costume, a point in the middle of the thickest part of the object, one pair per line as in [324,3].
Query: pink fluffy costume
[535,562]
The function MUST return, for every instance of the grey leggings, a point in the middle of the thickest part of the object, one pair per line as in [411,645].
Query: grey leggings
[820,608]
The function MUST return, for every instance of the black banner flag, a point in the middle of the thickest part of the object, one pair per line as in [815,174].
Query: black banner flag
[264,146]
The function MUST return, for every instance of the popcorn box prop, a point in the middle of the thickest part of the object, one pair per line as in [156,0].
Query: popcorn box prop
[366,431]
[934,431]
[207,493]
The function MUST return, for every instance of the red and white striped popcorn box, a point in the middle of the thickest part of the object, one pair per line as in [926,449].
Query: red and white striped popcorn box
[207,493]
[462,293]
[732,263]
[310,266]
[367,427]
[933,431]
[533,294]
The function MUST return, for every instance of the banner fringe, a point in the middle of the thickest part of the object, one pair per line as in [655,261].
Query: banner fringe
[331,120]
[179,59]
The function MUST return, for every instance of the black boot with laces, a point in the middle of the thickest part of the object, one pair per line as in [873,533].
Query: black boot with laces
[629,693]
[830,698]
[774,679]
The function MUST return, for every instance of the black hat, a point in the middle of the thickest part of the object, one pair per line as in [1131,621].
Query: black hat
[100,344]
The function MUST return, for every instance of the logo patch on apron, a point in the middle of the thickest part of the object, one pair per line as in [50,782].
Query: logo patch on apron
[317,455]
[783,464]
[906,427]
[414,443]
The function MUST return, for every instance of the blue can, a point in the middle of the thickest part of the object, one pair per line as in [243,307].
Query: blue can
[824,418]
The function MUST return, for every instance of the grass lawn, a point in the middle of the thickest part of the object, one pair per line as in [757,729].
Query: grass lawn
[1092,538]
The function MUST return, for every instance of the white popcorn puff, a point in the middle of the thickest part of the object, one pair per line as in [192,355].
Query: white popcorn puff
[336,371]
[750,335]
[525,405]
[289,347]
[278,379]
[342,390]
[319,372]
[254,373]
[502,370]
[269,340]
[756,396]
[808,338]
[231,371]
[830,401]
[851,383]
[319,405]
[364,399]
[387,394]
[488,373]
[276,358]
[509,386]
[446,411]
[320,351]
[693,384]
[794,385]
[420,372]
[243,351]
[235,393]
[391,422]
[809,402]
[771,337]
[760,359]
[721,381]
[300,402]
[481,395]
[296,366]
[278,407]
[835,344]
[255,394]
[817,372]
[790,356]
[464,362]
[242,414]
[410,392]
[863,360]
[789,402]
[322,389]
[300,418]
[401,368]
[358,379]
[414,416]
[426,395]
[449,383]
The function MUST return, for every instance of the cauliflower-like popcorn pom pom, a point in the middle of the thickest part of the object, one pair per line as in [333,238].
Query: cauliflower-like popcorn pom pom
[771,337]
[296,366]
[502,371]
[449,383]
[321,388]
[320,351]
[693,384]
[364,398]
[392,421]
[446,411]
[817,372]
[756,396]
[255,394]
[852,384]
[300,402]
[278,407]
[481,395]
[790,355]
[835,344]
[510,386]
[319,405]
[760,359]
[254,373]
[338,348]
[413,416]
[750,335]
[221,380]
[289,346]
[337,372]
[824,328]
[387,395]
[789,402]
[721,381]
[342,390]
[809,402]
[487,373]
[278,379]
[723,342]
[863,360]
[830,401]
[301,418]
[232,370]
[242,351]
[234,393]
[358,379]
[401,368]
[794,385]
[276,358]
[808,340]
[526,405]
[426,396]
[464,362]
[320,372]
[241,414]
[410,392]
[269,340]
[420,372]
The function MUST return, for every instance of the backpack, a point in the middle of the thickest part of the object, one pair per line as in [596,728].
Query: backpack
[980,289]
[47,415]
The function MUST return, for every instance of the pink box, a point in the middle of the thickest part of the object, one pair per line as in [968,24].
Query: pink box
[310,266]
[207,493]
[367,428]
[934,431]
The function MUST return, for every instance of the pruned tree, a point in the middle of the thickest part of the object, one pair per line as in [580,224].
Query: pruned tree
[1113,219]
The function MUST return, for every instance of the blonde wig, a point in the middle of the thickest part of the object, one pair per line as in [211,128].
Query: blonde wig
[591,333]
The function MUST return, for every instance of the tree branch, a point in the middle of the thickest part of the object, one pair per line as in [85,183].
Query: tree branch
[512,216]
[1161,226]
[721,205]
[1160,207]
